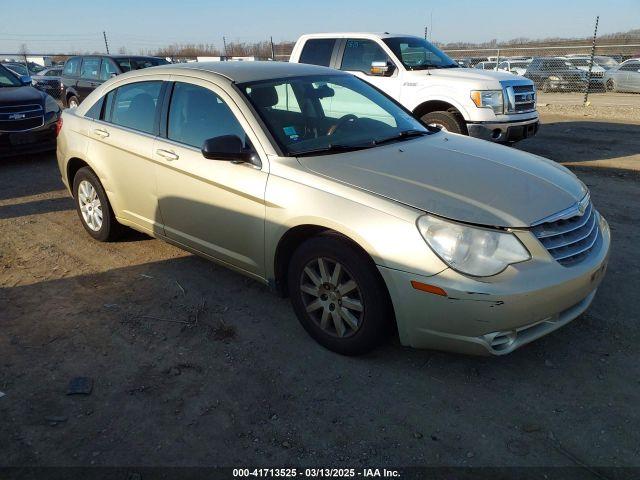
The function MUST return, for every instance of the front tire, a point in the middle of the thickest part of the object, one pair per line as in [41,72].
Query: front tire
[447,121]
[338,295]
[610,86]
[93,207]
[73,101]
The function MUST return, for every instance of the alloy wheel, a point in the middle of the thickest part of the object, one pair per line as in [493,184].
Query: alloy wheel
[331,297]
[90,205]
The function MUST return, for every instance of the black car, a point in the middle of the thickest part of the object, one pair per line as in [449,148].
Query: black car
[49,81]
[29,119]
[81,75]
[556,74]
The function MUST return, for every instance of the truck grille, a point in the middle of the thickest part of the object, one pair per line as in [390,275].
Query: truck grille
[521,98]
[18,118]
[569,240]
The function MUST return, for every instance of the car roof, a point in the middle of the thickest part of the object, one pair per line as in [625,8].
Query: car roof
[113,56]
[370,35]
[241,72]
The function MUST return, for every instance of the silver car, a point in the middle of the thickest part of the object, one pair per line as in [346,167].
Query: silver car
[315,183]
[624,77]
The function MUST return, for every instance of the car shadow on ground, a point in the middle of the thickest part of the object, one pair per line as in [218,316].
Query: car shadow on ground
[584,141]
[44,175]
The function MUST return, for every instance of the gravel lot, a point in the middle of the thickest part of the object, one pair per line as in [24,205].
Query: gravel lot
[195,365]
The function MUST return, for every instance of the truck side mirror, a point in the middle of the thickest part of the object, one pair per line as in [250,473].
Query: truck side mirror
[382,69]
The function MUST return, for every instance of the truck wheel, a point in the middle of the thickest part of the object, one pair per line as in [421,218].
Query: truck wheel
[72,101]
[610,86]
[546,86]
[447,121]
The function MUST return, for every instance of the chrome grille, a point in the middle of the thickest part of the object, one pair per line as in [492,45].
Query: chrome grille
[520,98]
[569,240]
[18,118]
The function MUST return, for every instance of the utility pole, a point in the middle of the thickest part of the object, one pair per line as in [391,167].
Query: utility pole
[593,52]
[426,29]
[106,44]
[273,50]
[224,42]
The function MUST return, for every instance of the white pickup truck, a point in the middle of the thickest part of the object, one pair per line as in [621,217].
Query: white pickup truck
[485,104]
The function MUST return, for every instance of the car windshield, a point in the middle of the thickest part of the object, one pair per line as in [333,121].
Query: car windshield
[328,114]
[18,68]
[8,79]
[606,62]
[418,54]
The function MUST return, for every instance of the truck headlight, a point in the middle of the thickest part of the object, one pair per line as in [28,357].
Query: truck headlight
[480,252]
[488,99]
[554,78]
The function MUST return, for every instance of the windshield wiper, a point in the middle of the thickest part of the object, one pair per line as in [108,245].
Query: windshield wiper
[405,134]
[333,148]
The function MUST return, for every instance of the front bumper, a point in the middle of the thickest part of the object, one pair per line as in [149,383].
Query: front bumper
[501,313]
[40,139]
[504,132]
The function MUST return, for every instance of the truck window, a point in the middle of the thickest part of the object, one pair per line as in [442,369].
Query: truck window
[359,54]
[318,51]
[72,67]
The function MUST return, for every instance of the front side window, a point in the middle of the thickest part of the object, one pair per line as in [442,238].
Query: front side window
[197,114]
[418,54]
[90,68]
[8,79]
[330,112]
[359,54]
[318,51]
[72,67]
[107,69]
[630,67]
[135,104]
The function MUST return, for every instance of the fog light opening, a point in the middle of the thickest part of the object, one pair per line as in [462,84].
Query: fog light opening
[503,340]
[496,133]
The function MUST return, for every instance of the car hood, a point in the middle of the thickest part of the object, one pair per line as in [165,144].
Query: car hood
[469,74]
[20,95]
[459,178]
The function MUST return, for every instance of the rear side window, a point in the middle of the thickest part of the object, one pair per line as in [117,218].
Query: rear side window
[630,67]
[360,54]
[135,106]
[90,68]
[318,51]
[72,67]
[196,114]
[107,69]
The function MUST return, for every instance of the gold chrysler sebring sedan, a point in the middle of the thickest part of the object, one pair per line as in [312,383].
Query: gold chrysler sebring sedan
[319,185]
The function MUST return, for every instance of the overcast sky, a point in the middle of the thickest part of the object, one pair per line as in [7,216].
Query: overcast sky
[47,25]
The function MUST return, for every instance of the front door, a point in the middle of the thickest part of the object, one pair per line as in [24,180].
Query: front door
[89,77]
[213,206]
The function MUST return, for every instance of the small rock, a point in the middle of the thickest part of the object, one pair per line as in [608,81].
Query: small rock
[417,435]
[286,444]
[470,454]
[95,454]
[80,386]
[274,417]
[531,427]
[55,419]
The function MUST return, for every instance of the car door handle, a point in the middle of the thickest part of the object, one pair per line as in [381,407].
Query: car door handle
[100,132]
[166,154]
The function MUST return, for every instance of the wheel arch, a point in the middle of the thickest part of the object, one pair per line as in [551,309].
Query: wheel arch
[439,105]
[73,165]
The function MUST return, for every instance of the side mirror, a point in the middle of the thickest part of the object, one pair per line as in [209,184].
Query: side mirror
[25,80]
[382,69]
[225,147]
[113,75]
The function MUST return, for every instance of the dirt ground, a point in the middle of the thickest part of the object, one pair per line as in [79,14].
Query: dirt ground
[194,365]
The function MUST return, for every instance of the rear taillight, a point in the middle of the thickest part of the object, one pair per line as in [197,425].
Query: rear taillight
[58,126]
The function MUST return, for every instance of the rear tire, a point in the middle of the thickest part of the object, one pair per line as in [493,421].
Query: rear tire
[73,102]
[610,86]
[448,121]
[348,312]
[93,207]
[546,86]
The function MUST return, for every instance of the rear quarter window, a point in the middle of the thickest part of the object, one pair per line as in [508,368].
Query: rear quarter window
[318,51]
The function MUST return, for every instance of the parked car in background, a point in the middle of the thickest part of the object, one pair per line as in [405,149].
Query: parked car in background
[517,67]
[494,106]
[29,118]
[49,80]
[486,65]
[624,77]
[18,68]
[316,183]
[82,74]
[555,74]
[597,71]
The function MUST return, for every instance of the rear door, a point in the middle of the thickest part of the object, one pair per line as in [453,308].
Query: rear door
[89,77]
[213,206]
[121,149]
[319,51]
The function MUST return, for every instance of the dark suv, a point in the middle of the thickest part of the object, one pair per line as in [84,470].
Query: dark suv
[81,75]
[555,74]
[29,119]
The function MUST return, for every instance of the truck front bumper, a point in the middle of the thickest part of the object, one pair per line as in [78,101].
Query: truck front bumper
[504,132]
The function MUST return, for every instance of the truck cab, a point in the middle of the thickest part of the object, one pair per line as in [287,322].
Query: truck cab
[490,105]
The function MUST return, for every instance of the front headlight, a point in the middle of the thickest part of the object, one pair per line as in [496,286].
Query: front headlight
[554,78]
[474,251]
[50,105]
[488,99]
